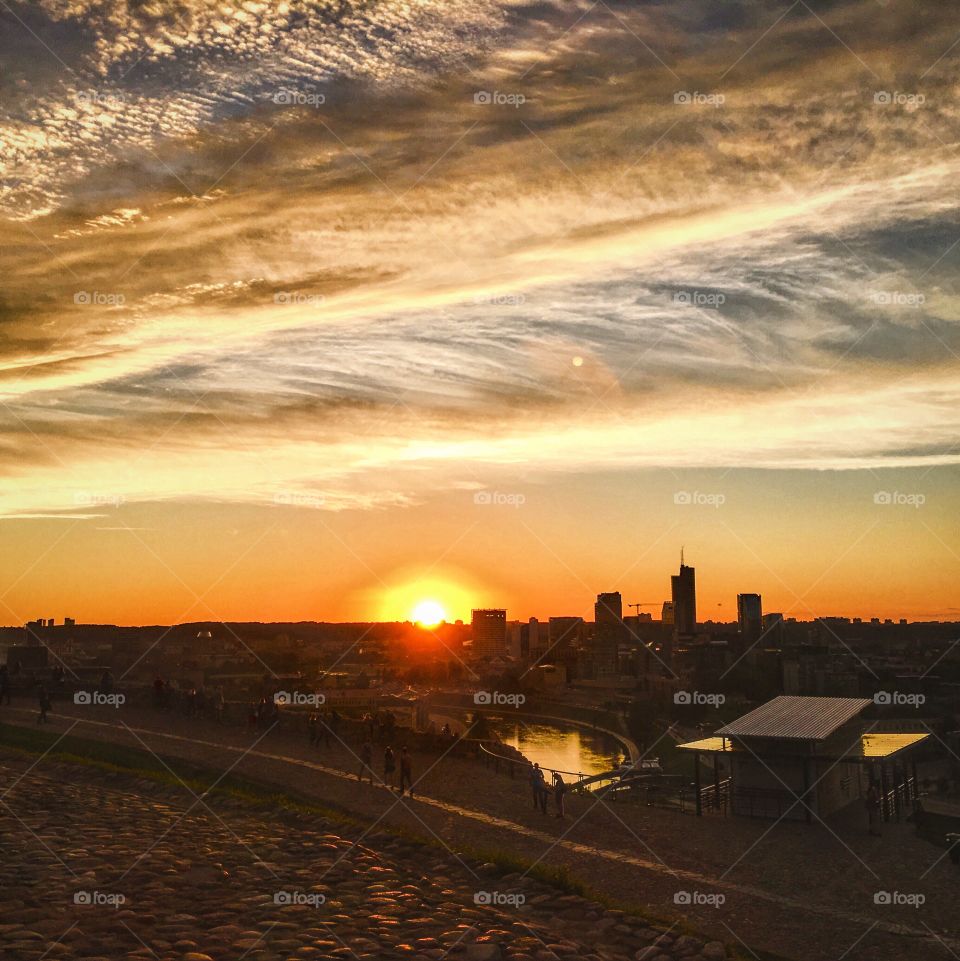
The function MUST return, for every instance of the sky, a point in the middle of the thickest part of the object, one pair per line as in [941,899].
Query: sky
[315,310]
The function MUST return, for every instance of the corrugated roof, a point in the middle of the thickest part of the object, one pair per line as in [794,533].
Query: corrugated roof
[802,718]
[886,744]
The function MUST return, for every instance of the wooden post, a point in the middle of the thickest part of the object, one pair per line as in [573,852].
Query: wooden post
[808,813]
[884,806]
[716,781]
[696,783]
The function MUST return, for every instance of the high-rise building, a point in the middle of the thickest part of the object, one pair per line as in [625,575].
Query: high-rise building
[608,632]
[667,613]
[750,615]
[489,632]
[684,590]
[563,634]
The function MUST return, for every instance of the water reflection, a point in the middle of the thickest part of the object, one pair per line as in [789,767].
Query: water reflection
[557,746]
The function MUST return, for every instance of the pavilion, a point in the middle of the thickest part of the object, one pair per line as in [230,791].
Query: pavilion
[805,757]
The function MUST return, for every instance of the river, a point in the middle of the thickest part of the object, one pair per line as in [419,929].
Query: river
[559,746]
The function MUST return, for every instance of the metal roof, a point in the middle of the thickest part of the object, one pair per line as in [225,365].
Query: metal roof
[886,744]
[800,718]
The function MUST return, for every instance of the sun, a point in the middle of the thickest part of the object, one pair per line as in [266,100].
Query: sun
[428,613]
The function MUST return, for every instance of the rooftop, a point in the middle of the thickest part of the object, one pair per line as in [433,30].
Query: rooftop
[800,718]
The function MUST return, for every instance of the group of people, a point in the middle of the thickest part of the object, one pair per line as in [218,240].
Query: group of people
[541,792]
[404,775]
[322,727]
[192,701]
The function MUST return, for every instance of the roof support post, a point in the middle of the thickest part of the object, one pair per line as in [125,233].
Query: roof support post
[696,784]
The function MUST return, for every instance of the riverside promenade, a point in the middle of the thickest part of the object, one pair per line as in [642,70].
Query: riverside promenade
[793,890]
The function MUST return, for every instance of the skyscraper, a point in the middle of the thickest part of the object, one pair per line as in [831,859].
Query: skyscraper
[608,632]
[750,615]
[489,632]
[684,590]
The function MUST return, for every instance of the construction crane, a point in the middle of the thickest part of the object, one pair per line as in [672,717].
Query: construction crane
[640,604]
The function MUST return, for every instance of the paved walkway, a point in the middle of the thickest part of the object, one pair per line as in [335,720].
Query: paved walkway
[772,878]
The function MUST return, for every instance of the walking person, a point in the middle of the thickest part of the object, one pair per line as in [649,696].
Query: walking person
[312,729]
[44,701]
[559,790]
[366,760]
[389,765]
[219,703]
[533,785]
[406,771]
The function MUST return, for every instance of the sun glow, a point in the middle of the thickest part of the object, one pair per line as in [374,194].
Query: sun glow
[428,613]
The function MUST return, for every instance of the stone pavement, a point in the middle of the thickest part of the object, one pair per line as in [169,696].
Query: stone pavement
[95,873]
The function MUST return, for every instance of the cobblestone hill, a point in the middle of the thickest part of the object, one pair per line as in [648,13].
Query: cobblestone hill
[103,867]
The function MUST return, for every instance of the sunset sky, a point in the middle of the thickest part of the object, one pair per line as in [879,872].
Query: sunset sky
[315,310]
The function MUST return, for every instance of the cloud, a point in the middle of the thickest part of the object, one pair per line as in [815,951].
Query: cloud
[738,234]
